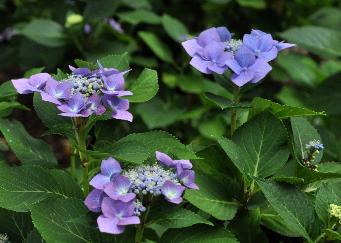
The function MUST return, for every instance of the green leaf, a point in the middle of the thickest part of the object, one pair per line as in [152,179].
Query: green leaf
[138,4]
[145,87]
[224,103]
[294,207]
[7,90]
[29,150]
[213,128]
[159,48]
[48,114]
[120,62]
[258,4]
[143,145]
[45,32]
[85,64]
[7,107]
[66,183]
[213,197]
[139,16]
[327,17]
[63,220]
[97,10]
[328,193]
[178,218]
[34,237]
[303,133]
[330,167]
[281,111]
[174,28]
[15,225]
[199,234]
[153,113]
[23,186]
[325,96]
[257,146]
[319,40]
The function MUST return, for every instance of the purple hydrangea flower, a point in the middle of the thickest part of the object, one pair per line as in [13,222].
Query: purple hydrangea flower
[114,84]
[87,29]
[93,105]
[56,91]
[115,25]
[109,169]
[187,178]
[118,189]
[180,165]
[36,83]
[172,192]
[73,107]
[280,45]
[261,46]
[119,107]
[116,215]
[247,67]
[94,200]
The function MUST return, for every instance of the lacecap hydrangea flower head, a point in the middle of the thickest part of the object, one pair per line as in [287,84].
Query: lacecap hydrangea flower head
[83,93]
[121,196]
[215,51]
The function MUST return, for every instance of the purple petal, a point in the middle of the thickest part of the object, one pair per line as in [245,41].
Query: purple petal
[245,57]
[224,34]
[80,71]
[258,33]
[129,220]
[38,81]
[109,225]
[99,181]
[200,64]
[191,46]
[216,68]
[282,45]
[110,167]
[243,77]
[164,159]
[269,55]
[251,41]
[261,69]
[208,36]
[119,186]
[122,115]
[266,43]
[234,65]
[94,200]
[51,99]
[187,178]
[22,86]
[213,50]
[172,192]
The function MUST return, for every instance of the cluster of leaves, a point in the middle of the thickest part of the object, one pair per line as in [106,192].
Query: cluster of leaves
[253,182]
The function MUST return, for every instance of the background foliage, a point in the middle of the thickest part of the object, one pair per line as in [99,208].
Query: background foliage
[300,102]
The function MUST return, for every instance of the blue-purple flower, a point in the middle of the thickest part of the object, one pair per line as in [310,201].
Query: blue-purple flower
[36,83]
[115,25]
[73,107]
[94,200]
[116,215]
[109,169]
[119,107]
[179,165]
[247,67]
[118,189]
[56,92]
[172,192]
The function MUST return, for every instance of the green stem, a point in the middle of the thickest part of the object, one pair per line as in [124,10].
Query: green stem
[82,151]
[73,163]
[236,97]
[141,226]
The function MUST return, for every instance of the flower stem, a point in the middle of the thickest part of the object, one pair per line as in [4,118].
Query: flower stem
[82,151]
[141,226]
[236,97]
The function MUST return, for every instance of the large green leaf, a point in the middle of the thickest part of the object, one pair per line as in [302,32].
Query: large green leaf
[29,150]
[145,87]
[303,133]
[138,147]
[120,62]
[15,225]
[213,197]
[178,218]
[140,16]
[99,9]
[7,90]
[24,186]
[48,114]
[325,96]
[45,32]
[174,28]
[294,207]
[159,48]
[63,220]
[153,113]
[328,193]
[6,107]
[199,234]
[316,39]
[281,111]
[328,17]
[257,146]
